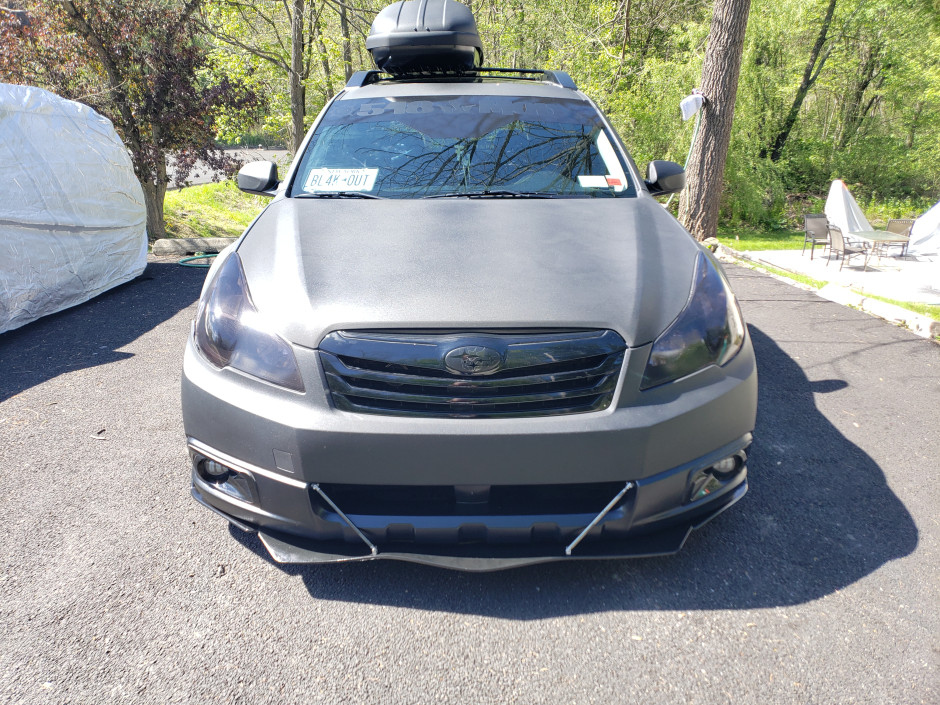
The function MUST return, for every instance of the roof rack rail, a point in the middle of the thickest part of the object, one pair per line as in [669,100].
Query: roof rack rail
[365,78]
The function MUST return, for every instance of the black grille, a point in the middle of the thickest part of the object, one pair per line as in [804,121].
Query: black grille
[448,500]
[539,374]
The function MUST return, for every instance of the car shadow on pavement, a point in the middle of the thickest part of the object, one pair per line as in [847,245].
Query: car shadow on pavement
[92,333]
[819,516]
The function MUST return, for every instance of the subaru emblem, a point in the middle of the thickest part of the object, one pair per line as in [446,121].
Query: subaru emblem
[473,360]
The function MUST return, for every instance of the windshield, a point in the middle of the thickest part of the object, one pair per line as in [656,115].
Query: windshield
[455,146]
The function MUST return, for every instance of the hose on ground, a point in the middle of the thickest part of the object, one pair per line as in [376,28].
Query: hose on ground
[191,261]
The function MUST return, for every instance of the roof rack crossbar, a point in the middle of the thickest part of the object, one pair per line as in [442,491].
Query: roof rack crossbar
[365,78]
[500,69]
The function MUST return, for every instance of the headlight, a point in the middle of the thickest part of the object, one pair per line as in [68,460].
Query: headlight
[230,331]
[709,331]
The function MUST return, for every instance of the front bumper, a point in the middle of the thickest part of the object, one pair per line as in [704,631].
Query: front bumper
[294,446]
[475,542]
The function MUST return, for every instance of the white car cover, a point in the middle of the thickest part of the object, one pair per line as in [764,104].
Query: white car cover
[842,210]
[925,233]
[72,218]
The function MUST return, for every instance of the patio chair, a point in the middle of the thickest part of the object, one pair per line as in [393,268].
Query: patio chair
[845,250]
[815,232]
[898,226]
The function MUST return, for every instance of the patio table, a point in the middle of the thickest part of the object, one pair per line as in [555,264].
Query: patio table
[875,239]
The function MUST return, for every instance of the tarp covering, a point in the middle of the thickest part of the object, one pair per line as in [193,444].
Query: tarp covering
[72,217]
[925,233]
[842,210]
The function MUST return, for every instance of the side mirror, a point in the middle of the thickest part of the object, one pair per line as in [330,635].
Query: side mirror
[259,178]
[664,177]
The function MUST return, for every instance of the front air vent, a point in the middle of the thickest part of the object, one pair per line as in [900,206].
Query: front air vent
[472,375]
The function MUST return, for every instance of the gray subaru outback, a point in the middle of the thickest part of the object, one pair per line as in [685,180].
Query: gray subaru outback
[464,332]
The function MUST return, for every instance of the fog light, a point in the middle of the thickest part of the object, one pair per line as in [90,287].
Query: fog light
[235,483]
[213,471]
[725,466]
[711,479]
[703,484]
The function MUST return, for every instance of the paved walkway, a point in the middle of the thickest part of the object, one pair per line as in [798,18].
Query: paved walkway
[915,279]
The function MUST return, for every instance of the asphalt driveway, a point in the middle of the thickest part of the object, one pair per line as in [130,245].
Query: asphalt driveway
[821,586]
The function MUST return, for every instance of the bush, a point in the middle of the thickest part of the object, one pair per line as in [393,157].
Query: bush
[754,193]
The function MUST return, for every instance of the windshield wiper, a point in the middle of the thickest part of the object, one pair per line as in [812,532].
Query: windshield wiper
[339,194]
[494,194]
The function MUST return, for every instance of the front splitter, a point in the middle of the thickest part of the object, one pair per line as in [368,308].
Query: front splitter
[286,548]
[665,543]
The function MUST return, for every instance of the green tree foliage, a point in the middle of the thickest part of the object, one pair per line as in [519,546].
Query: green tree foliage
[863,106]
[870,117]
[142,64]
[297,53]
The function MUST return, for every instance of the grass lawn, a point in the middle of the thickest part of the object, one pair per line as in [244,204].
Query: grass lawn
[801,278]
[210,210]
[739,238]
[929,310]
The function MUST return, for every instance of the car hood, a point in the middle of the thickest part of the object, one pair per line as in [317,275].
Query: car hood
[316,265]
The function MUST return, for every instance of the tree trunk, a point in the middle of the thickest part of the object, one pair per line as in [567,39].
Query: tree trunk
[347,46]
[810,74]
[699,201]
[856,109]
[918,109]
[324,60]
[298,106]
[154,196]
[626,30]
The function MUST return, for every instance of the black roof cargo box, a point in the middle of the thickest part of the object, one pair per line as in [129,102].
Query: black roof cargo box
[425,36]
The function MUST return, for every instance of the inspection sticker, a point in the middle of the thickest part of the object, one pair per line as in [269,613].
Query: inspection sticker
[587,181]
[341,180]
